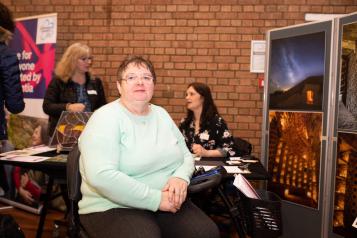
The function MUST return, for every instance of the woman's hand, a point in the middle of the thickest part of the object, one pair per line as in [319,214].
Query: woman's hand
[26,195]
[199,150]
[177,191]
[165,204]
[75,107]
[202,152]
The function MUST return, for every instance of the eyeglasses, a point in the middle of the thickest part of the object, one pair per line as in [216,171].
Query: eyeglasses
[89,58]
[132,78]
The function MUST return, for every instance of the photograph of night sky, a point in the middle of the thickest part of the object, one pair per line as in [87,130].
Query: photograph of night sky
[297,72]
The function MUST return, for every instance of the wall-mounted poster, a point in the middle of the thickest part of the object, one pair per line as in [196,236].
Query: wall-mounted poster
[296,75]
[294,156]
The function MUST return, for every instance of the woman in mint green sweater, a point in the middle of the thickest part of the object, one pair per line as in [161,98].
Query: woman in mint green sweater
[135,166]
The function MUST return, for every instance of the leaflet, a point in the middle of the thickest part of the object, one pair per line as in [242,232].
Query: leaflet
[229,169]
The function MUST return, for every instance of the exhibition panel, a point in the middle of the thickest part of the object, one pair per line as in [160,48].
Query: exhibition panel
[295,129]
[343,207]
[310,126]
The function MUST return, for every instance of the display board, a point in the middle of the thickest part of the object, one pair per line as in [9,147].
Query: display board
[295,122]
[343,208]
[297,85]
[310,126]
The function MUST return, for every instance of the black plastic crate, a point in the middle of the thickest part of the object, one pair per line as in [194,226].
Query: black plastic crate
[262,216]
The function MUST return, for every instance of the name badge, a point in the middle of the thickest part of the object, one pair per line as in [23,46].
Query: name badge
[204,136]
[92,92]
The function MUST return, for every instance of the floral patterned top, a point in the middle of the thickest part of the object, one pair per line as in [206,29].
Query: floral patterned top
[213,135]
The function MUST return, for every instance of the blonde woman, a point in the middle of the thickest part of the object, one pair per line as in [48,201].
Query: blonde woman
[73,88]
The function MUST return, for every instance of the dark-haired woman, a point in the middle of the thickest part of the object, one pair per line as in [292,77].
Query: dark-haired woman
[206,133]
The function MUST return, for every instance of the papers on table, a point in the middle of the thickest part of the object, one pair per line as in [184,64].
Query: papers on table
[28,151]
[230,169]
[234,158]
[235,162]
[25,155]
[239,159]
[26,158]
[245,187]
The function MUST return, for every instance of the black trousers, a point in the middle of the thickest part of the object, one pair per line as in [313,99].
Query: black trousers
[3,178]
[188,222]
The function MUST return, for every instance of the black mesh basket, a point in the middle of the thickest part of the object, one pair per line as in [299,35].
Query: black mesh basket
[262,216]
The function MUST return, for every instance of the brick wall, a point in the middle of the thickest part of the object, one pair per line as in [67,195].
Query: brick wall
[187,40]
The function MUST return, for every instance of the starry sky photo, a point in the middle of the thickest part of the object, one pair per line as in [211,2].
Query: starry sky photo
[294,59]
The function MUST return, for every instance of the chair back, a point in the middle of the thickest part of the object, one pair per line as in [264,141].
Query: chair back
[74,178]
[243,147]
[74,191]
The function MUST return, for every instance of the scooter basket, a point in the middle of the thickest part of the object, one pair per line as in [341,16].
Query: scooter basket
[262,216]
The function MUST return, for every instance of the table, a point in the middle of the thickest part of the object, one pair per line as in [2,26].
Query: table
[55,168]
[258,172]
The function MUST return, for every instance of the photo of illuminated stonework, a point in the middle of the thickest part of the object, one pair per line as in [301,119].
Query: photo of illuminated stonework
[347,103]
[345,205]
[345,195]
[294,156]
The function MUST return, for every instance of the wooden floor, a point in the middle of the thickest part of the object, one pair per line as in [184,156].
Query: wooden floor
[29,221]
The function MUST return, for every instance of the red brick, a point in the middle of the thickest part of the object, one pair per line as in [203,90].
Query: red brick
[190,40]
[201,73]
[219,88]
[243,126]
[224,104]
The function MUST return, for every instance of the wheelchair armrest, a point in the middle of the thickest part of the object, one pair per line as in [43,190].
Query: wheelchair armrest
[204,182]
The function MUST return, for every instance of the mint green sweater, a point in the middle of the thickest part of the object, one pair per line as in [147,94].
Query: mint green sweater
[126,159]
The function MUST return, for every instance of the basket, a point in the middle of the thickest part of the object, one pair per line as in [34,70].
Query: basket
[262,216]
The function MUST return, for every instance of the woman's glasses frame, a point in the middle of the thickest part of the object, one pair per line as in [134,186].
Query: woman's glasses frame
[85,59]
[133,78]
